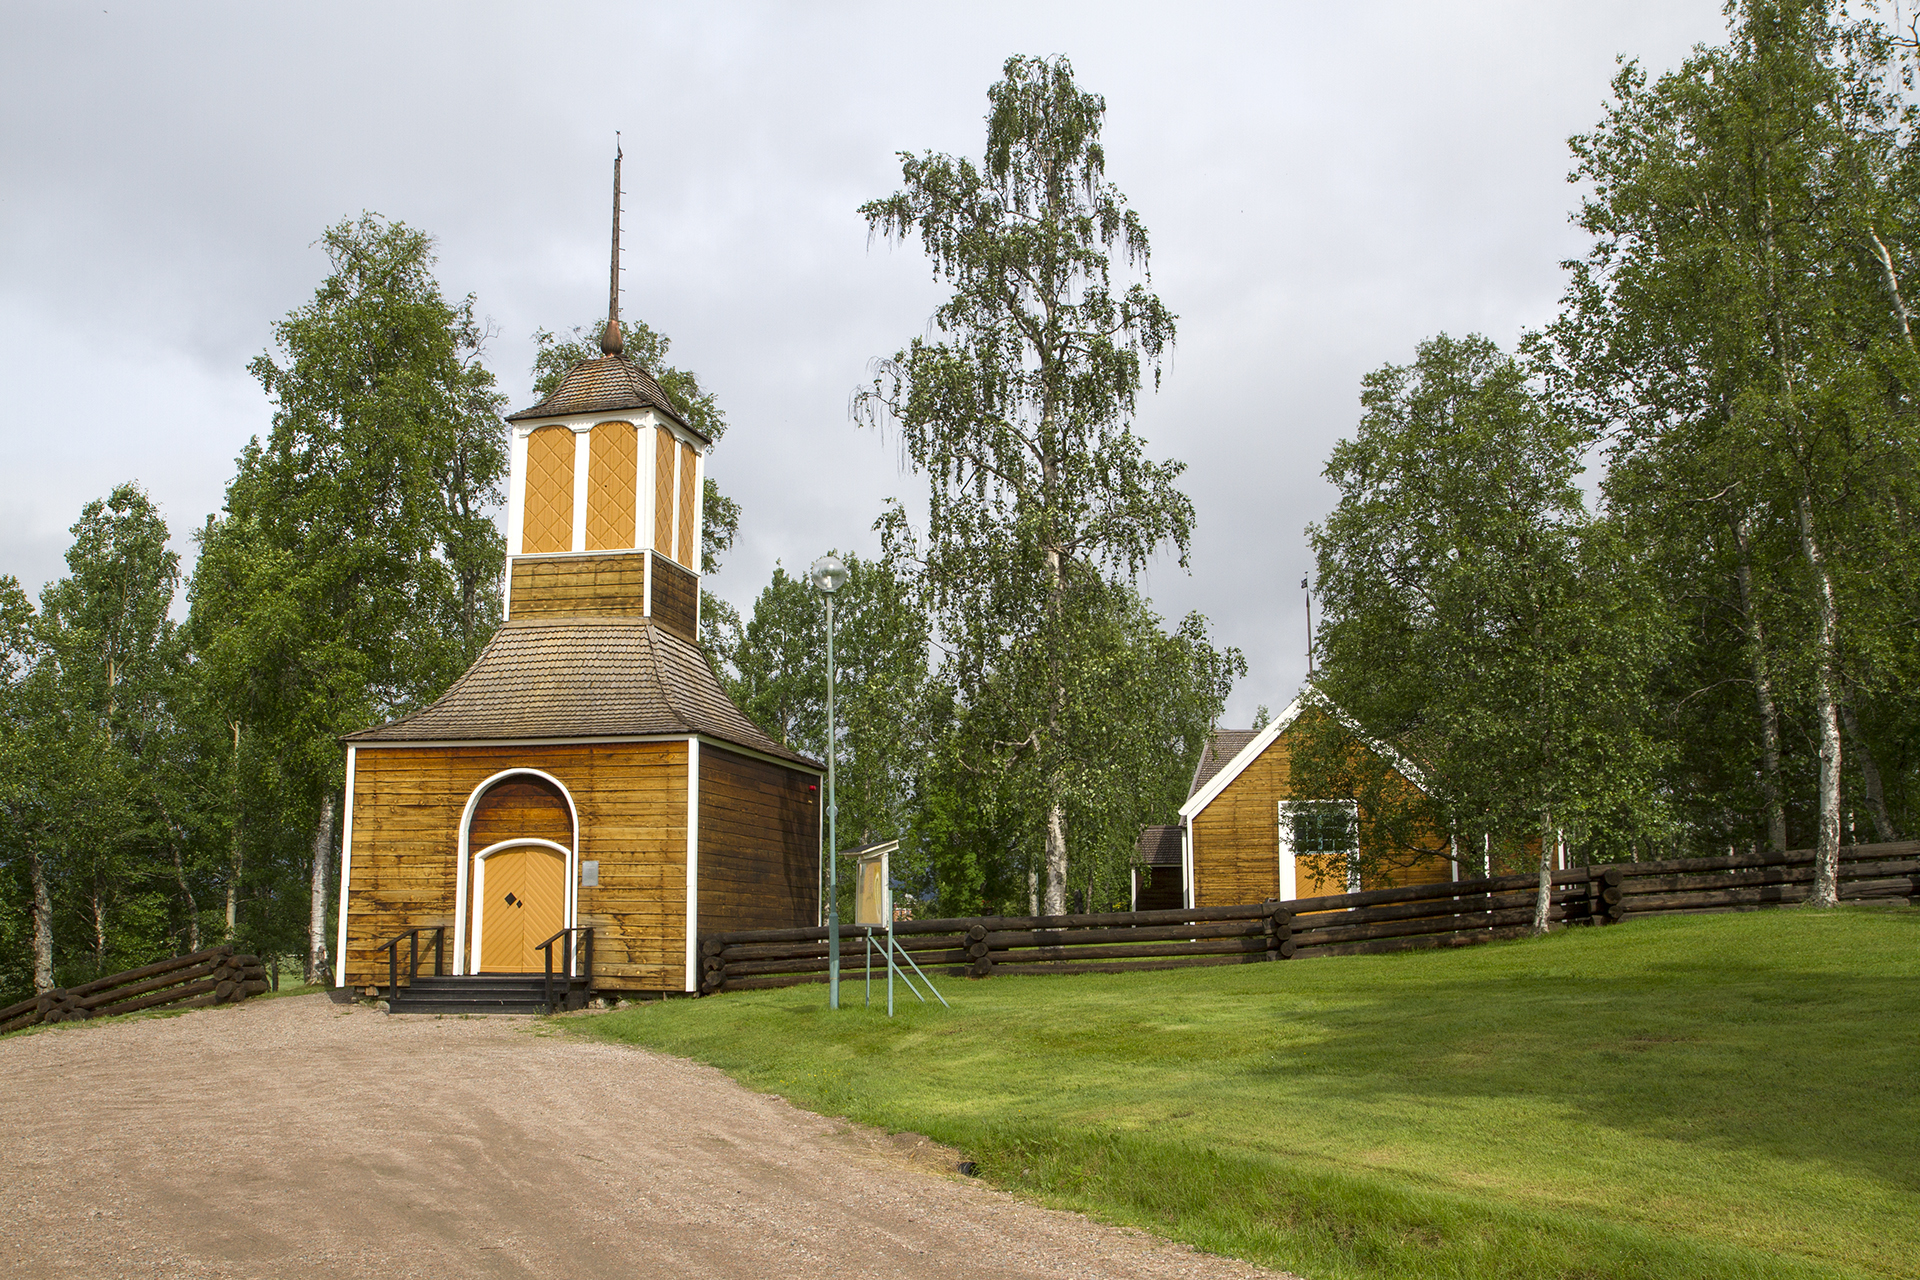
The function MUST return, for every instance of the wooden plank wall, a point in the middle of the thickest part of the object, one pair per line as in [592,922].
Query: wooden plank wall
[632,796]
[1236,840]
[1159,889]
[759,844]
[578,586]
[676,599]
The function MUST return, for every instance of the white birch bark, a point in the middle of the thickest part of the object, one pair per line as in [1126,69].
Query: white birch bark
[42,923]
[317,899]
[1826,855]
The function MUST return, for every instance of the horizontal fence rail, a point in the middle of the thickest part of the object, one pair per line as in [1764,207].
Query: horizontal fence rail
[213,976]
[1450,913]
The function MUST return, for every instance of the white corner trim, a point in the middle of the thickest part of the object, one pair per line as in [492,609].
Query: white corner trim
[582,484]
[699,524]
[693,864]
[461,904]
[516,492]
[480,885]
[346,876]
[1186,862]
[646,576]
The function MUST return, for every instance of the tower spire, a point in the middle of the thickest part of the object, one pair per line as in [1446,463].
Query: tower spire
[611,341]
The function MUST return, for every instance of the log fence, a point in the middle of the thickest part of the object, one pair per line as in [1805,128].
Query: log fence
[1450,913]
[209,977]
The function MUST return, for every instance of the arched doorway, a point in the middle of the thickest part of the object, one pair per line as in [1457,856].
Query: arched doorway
[519,835]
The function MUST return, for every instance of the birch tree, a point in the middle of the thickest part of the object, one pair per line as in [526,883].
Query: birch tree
[1743,328]
[354,572]
[1475,615]
[1018,408]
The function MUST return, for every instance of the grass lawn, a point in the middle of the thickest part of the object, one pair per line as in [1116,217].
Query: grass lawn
[1711,1096]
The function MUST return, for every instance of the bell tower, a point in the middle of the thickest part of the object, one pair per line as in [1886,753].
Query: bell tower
[604,489]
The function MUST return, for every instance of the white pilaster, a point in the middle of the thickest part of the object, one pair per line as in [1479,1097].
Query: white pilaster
[582,459]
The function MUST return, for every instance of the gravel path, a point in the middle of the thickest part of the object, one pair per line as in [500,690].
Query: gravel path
[295,1137]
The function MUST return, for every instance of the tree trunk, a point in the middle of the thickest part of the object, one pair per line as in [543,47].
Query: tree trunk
[317,900]
[1056,896]
[1771,789]
[42,922]
[233,869]
[1883,828]
[1056,877]
[99,909]
[175,838]
[1543,894]
[193,908]
[1033,891]
[1826,864]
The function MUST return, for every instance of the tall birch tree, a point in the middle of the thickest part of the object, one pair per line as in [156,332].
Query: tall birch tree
[1742,325]
[355,570]
[1019,406]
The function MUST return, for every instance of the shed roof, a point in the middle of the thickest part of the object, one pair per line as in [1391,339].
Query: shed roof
[1221,748]
[604,385]
[573,678]
[1160,846]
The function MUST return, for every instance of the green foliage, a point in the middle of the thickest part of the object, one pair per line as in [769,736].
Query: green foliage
[355,570]
[1740,329]
[91,706]
[1043,504]
[1140,704]
[1603,1102]
[1476,616]
[886,701]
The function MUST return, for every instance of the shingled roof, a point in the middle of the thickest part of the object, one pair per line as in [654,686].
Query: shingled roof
[604,385]
[1221,748]
[577,678]
[1160,846]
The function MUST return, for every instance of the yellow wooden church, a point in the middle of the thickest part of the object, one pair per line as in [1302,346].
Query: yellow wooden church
[588,772]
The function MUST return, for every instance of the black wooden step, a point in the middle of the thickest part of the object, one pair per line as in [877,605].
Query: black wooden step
[482,994]
[468,1007]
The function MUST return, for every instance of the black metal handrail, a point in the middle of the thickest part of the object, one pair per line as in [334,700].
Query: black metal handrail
[392,948]
[567,957]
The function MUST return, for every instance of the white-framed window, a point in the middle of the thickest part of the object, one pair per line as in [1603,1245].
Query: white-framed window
[1328,831]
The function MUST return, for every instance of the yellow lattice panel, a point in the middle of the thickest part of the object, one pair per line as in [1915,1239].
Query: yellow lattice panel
[547,522]
[663,491]
[613,504]
[686,550]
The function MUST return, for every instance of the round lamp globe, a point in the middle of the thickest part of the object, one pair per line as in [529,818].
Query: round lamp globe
[827,574]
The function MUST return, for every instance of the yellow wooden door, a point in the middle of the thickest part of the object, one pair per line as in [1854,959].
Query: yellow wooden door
[525,904]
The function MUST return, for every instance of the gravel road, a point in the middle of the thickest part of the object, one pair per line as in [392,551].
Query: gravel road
[298,1138]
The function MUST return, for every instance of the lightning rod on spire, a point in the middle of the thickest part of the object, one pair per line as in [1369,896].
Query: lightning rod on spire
[612,342]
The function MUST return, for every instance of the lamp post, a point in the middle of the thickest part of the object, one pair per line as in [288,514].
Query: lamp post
[827,574]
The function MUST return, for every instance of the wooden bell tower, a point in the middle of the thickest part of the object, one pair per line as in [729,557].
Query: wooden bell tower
[604,492]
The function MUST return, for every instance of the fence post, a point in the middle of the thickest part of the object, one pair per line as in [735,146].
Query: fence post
[979,952]
[1279,932]
[1610,890]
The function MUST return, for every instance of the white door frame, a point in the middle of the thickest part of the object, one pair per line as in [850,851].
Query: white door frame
[465,959]
[480,881]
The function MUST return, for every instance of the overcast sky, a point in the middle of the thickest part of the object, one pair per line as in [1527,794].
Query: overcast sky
[1325,185]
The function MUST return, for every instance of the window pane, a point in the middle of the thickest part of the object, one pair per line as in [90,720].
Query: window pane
[1323,829]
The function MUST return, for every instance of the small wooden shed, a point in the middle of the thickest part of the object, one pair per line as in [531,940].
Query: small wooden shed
[588,770]
[1159,878]
[1248,834]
